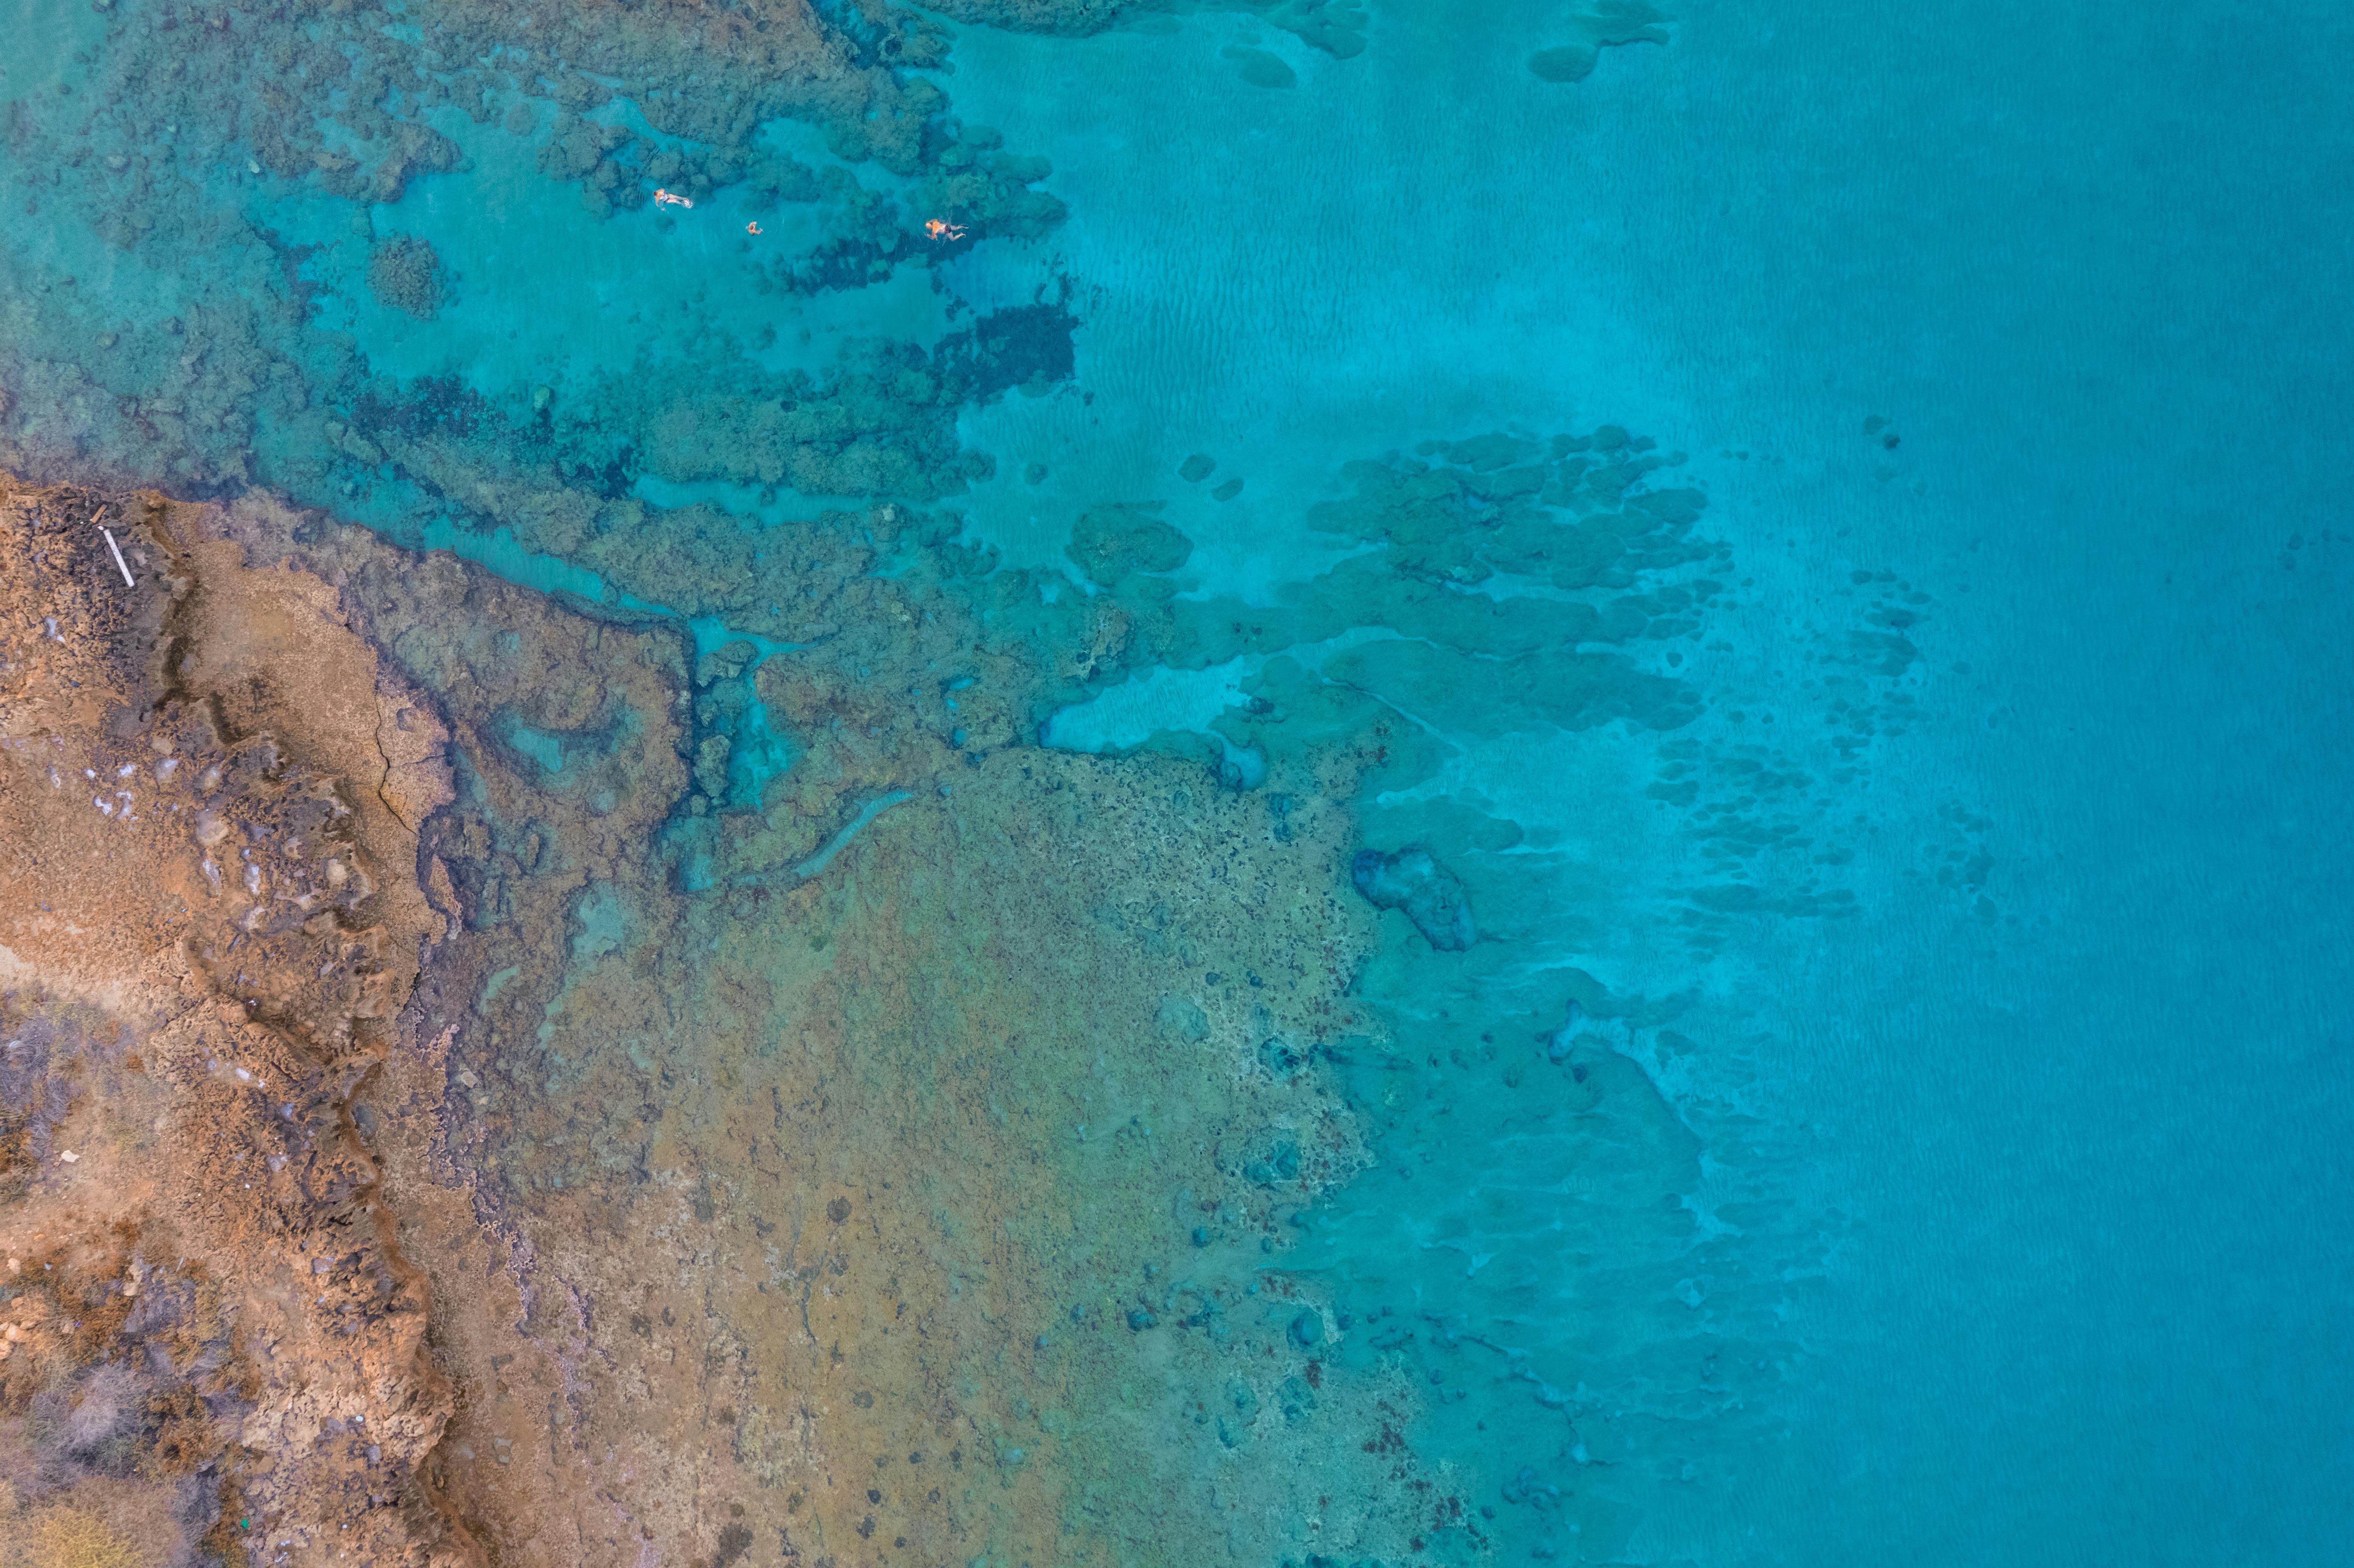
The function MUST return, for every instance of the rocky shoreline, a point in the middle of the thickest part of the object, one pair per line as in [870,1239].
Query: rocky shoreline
[209,920]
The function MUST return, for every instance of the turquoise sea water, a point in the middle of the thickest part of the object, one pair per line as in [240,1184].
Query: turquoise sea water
[1895,1104]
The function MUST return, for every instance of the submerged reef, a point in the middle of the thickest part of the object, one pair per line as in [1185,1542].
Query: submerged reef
[840,1162]
[404,273]
[1338,28]
[180,136]
[1428,893]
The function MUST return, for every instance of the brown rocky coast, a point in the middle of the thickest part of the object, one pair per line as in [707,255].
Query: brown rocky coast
[209,917]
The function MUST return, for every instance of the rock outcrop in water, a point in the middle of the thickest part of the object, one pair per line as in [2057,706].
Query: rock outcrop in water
[1428,893]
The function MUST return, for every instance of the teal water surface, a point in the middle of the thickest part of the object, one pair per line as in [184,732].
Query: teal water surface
[1892,1102]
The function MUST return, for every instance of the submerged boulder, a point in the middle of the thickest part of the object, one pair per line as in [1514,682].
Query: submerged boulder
[1430,894]
[404,272]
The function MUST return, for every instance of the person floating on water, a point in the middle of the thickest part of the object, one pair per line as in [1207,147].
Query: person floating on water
[940,229]
[666,198]
[751,229]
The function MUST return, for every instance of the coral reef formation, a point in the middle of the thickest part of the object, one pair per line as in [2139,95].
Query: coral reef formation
[161,142]
[1429,893]
[1338,28]
[801,1225]
[405,274]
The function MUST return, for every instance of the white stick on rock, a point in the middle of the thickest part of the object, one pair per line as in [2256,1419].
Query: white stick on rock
[118,566]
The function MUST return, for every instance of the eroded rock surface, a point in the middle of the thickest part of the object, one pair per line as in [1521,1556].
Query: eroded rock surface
[209,917]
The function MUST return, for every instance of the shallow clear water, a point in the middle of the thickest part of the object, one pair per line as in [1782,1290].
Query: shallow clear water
[1893,1102]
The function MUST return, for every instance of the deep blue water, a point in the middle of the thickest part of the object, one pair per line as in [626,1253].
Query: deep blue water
[1981,937]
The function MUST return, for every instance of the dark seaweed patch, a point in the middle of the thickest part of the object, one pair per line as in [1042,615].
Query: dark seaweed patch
[1021,345]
